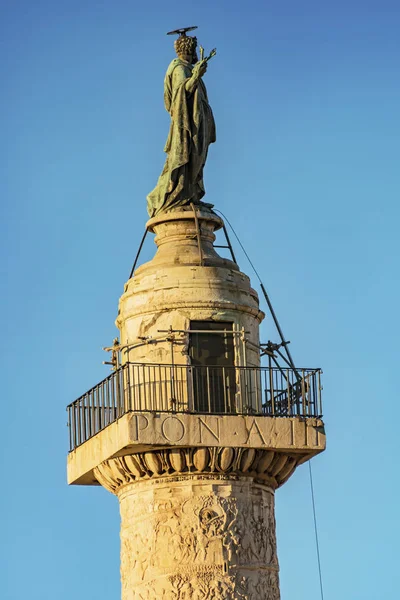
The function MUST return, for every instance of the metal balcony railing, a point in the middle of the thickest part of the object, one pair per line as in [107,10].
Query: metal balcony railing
[263,391]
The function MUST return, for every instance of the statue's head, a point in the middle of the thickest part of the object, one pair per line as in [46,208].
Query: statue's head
[185,47]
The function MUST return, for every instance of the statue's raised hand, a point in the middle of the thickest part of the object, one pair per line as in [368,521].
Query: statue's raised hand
[199,69]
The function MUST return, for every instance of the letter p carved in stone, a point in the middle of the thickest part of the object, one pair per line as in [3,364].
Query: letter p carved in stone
[139,423]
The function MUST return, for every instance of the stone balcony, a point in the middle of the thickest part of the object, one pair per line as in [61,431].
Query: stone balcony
[170,413]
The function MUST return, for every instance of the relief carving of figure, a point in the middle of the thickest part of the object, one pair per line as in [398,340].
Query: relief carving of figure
[200,590]
[252,589]
[248,547]
[190,542]
[201,547]
[232,542]
[216,591]
[140,555]
[212,521]
[256,531]
[186,591]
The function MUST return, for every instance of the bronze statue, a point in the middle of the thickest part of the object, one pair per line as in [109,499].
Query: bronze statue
[192,129]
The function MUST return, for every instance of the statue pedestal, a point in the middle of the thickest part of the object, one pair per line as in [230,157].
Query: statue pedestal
[178,234]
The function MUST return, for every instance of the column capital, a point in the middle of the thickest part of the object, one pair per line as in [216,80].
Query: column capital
[266,467]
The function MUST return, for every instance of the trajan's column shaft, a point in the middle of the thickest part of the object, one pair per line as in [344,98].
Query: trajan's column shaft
[190,431]
[198,535]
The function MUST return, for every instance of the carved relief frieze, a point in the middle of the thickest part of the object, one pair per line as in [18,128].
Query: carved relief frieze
[186,545]
[257,586]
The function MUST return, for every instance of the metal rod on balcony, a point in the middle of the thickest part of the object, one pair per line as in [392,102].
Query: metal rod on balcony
[319,394]
[73,426]
[101,394]
[165,396]
[69,428]
[126,387]
[80,422]
[256,389]
[138,387]
[311,395]
[107,401]
[208,390]
[208,331]
[303,394]
[172,399]
[271,386]
[224,385]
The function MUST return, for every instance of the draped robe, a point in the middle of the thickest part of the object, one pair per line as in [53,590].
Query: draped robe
[191,131]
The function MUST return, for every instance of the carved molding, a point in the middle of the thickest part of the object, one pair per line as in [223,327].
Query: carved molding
[265,466]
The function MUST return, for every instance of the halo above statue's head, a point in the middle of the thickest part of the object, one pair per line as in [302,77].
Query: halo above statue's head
[185,44]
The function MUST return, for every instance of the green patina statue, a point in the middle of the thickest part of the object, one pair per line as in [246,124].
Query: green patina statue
[192,130]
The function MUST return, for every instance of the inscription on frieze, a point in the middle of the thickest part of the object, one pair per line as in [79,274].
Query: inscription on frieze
[181,429]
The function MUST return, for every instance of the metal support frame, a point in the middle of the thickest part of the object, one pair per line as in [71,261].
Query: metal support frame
[138,253]
[198,233]
[229,245]
[202,331]
[284,343]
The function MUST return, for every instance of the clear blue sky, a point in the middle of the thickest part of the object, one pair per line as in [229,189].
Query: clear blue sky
[306,97]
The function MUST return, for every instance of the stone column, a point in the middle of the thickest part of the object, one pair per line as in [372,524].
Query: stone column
[195,536]
[196,490]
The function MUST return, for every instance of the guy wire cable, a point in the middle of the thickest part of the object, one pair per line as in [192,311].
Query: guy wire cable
[240,244]
[316,531]
[264,291]
[283,339]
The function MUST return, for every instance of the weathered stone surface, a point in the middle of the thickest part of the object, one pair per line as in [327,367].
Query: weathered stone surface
[180,285]
[198,538]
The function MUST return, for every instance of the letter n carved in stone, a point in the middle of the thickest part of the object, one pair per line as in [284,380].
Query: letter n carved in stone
[204,428]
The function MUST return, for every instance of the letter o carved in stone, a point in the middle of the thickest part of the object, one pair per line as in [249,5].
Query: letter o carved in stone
[173,429]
